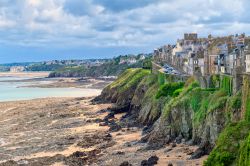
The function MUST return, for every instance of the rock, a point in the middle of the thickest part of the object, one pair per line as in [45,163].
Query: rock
[120,153]
[178,139]
[188,151]
[204,149]
[168,150]
[170,164]
[103,124]
[190,142]
[153,160]
[125,163]
[10,163]
[105,145]
[108,135]
[197,154]
[94,153]
[114,127]
[79,154]
[111,115]
[97,138]
[173,145]
[98,120]
[144,163]
[150,162]
[127,144]
[89,121]
[102,111]
[120,109]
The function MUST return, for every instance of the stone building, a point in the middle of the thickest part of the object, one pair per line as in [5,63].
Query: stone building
[190,36]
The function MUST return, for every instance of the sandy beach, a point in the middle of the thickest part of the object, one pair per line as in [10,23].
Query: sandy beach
[24,74]
[74,131]
[69,131]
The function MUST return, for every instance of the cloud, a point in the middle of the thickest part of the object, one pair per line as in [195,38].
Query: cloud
[117,23]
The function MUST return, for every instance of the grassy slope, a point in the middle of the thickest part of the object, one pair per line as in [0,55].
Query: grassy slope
[232,147]
[129,78]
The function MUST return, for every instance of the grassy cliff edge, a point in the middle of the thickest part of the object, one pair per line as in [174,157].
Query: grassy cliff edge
[212,118]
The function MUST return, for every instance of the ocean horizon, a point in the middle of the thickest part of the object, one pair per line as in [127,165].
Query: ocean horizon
[14,88]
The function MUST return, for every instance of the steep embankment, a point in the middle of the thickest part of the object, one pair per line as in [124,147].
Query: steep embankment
[212,118]
[137,91]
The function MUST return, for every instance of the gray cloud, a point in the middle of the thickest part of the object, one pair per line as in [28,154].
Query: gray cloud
[115,23]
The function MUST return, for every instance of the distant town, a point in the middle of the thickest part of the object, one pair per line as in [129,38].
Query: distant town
[52,65]
[203,57]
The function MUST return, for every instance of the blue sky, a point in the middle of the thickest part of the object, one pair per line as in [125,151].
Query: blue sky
[37,30]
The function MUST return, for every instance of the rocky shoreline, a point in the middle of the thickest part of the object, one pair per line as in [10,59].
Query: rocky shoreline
[76,131]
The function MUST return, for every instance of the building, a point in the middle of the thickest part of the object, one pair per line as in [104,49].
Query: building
[247,59]
[128,60]
[190,36]
[16,69]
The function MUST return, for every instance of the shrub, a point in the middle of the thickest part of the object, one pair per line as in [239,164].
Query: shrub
[177,92]
[168,89]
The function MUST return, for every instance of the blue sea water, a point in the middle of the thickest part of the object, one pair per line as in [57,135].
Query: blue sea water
[12,91]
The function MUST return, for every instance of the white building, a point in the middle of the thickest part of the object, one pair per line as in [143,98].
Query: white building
[247,60]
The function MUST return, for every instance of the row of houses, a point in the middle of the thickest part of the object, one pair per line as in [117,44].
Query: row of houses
[90,62]
[204,57]
[131,59]
[207,56]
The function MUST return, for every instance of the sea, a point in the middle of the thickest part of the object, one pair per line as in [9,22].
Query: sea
[13,88]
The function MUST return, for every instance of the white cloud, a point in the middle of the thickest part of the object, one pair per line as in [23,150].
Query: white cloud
[5,23]
[92,23]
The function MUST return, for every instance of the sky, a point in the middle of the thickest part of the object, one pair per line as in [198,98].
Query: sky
[38,30]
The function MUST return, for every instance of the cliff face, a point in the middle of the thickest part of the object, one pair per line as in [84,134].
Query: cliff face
[123,89]
[136,90]
[190,114]
[232,146]
[195,116]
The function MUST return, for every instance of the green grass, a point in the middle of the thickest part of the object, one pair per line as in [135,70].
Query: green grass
[130,78]
[247,115]
[168,89]
[226,84]
[244,154]
[228,144]
[200,101]
[161,78]
[215,81]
